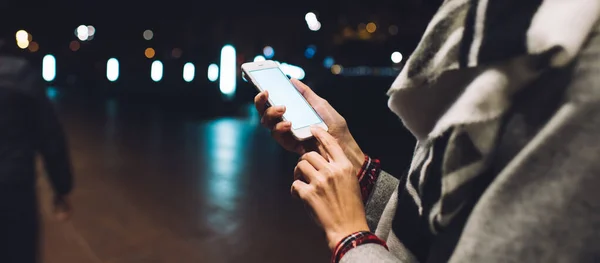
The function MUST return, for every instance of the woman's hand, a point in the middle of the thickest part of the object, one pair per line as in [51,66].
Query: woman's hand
[271,118]
[330,188]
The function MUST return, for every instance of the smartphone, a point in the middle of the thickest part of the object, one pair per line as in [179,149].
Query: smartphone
[267,75]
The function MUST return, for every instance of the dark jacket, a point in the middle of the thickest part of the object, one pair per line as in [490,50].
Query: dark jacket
[29,125]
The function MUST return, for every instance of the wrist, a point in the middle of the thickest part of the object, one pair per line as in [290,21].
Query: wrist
[354,240]
[334,237]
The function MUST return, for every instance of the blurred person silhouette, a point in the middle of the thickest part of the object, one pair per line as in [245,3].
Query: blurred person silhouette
[28,125]
[503,98]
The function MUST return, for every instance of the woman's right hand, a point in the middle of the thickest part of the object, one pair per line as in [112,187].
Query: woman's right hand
[271,118]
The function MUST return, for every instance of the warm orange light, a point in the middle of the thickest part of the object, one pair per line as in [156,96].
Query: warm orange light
[371,27]
[149,52]
[363,34]
[336,69]
[74,45]
[23,44]
[33,46]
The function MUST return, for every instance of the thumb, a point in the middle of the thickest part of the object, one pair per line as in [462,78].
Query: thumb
[306,91]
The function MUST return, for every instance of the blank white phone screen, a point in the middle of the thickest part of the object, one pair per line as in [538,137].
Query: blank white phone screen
[282,92]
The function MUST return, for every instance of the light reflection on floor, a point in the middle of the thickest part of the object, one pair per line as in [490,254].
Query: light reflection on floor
[158,186]
[226,143]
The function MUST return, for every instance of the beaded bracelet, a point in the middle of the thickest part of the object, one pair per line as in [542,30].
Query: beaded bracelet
[367,176]
[354,240]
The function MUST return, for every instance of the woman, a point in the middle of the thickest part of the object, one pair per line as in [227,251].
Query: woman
[503,98]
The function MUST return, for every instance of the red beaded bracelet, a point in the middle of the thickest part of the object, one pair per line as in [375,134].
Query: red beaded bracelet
[367,177]
[352,241]
[363,169]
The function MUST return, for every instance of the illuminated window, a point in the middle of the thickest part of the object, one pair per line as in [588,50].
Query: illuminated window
[49,68]
[227,80]
[189,72]
[112,69]
[213,72]
[156,71]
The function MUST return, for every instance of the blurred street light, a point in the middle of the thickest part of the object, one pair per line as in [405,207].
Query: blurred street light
[396,57]
[148,34]
[371,27]
[312,21]
[269,52]
[23,38]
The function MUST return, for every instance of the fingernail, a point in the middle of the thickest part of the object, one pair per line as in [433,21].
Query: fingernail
[287,124]
[280,108]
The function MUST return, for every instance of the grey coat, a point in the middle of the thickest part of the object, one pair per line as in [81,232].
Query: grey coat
[542,203]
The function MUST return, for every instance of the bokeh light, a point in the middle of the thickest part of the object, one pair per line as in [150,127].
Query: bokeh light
[213,72]
[23,38]
[23,44]
[112,69]
[189,72]
[312,21]
[396,57]
[148,34]
[269,52]
[33,46]
[310,51]
[156,71]
[328,62]
[371,27]
[149,52]
[82,32]
[336,69]
[176,52]
[49,68]
[74,45]
[228,74]
[91,30]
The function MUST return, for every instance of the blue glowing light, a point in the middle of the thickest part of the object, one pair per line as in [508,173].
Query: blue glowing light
[328,62]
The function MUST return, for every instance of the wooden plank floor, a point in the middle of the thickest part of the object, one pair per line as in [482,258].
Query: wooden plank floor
[158,187]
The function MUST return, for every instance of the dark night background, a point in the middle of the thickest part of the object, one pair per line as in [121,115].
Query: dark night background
[137,144]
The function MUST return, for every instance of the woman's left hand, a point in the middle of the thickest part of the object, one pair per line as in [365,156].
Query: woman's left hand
[330,188]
